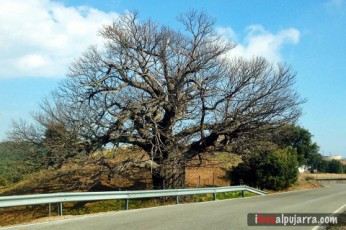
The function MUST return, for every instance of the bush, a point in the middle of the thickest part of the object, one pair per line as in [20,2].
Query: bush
[275,170]
[309,178]
[335,166]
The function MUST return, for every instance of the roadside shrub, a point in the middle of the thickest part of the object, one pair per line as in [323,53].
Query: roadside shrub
[274,170]
[335,166]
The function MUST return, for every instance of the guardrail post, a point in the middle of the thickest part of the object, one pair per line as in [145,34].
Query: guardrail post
[214,196]
[49,209]
[60,209]
[177,199]
[213,179]
[127,204]
[242,193]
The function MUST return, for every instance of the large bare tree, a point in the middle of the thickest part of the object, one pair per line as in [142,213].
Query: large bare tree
[173,93]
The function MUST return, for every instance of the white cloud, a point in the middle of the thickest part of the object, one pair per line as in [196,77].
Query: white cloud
[227,33]
[260,42]
[41,38]
[32,61]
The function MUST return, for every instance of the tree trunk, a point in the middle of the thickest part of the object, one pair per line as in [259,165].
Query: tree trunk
[170,174]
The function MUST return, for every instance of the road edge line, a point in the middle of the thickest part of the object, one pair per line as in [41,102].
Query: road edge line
[336,211]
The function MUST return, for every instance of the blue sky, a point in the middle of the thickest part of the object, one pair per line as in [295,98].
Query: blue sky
[40,38]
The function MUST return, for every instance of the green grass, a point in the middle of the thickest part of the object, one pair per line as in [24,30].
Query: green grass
[221,196]
[231,195]
[79,208]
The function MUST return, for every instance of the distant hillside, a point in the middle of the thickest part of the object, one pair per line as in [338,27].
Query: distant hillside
[13,164]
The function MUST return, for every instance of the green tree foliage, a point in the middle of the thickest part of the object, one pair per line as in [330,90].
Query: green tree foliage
[300,139]
[275,170]
[316,162]
[335,166]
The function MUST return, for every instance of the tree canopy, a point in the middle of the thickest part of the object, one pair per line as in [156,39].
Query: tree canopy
[299,139]
[173,93]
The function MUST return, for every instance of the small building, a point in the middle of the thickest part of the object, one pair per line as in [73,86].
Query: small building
[332,157]
[303,168]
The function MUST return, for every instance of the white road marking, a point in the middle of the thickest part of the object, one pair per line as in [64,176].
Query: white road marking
[337,211]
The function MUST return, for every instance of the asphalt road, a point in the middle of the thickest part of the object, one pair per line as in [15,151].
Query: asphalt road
[225,214]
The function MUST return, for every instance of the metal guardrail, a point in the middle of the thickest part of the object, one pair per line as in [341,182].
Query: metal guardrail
[59,198]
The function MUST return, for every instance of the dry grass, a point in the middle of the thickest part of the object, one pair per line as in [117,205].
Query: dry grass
[324,175]
[212,171]
[91,176]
